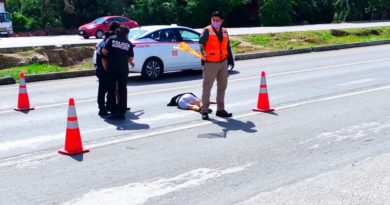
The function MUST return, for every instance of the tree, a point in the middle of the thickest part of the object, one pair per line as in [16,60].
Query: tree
[312,11]
[276,12]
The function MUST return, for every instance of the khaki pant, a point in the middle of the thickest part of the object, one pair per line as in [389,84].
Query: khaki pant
[212,71]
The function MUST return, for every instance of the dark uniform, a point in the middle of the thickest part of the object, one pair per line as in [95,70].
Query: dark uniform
[119,50]
[101,74]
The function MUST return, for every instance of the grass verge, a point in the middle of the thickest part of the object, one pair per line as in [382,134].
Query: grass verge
[43,68]
[306,39]
[246,44]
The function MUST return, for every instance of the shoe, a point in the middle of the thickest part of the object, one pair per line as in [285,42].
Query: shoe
[223,113]
[205,116]
[102,113]
[210,111]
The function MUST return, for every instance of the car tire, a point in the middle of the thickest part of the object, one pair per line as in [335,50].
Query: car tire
[86,37]
[152,69]
[99,34]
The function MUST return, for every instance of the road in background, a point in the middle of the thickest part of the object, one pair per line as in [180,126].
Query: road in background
[329,137]
[16,42]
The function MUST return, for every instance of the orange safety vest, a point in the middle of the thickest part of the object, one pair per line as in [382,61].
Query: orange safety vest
[216,51]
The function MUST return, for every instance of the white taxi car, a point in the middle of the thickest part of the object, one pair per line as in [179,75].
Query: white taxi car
[154,51]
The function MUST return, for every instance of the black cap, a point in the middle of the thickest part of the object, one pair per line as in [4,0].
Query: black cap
[114,25]
[217,14]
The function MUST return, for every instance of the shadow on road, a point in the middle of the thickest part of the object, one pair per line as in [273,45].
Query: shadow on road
[127,123]
[78,157]
[171,77]
[230,125]
[222,134]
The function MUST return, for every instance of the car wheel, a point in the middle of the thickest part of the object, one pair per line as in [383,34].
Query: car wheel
[152,69]
[86,37]
[99,34]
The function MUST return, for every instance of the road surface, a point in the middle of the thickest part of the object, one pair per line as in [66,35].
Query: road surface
[327,142]
[16,42]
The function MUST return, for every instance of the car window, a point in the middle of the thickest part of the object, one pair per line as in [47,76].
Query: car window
[155,36]
[134,33]
[99,20]
[110,20]
[167,35]
[189,36]
[122,20]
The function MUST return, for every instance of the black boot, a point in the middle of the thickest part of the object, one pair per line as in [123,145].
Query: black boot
[223,113]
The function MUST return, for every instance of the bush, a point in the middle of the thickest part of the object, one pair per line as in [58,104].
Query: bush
[23,23]
[276,13]
[339,33]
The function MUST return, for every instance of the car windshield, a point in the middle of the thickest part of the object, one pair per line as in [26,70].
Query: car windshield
[99,20]
[5,17]
[134,33]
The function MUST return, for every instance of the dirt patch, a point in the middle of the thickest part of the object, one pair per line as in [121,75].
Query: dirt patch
[247,47]
[57,56]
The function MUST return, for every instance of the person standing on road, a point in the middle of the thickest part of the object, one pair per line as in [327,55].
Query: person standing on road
[101,73]
[120,54]
[215,47]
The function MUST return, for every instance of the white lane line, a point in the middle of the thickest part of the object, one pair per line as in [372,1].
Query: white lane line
[363,182]
[158,132]
[29,143]
[355,132]
[93,98]
[46,83]
[312,69]
[141,192]
[34,142]
[356,82]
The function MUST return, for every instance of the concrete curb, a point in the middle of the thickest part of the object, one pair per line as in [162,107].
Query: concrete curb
[27,48]
[7,80]
[308,50]
[271,54]
[59,75]
[82,73]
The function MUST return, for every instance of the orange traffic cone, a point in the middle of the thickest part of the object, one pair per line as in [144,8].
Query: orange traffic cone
[262,101]
[73,144]
[23,101]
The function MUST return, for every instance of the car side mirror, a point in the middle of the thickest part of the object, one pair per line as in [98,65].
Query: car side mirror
[105,22]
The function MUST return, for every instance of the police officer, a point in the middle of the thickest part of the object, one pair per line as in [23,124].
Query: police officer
[215,47]
[120,54]
[101,72]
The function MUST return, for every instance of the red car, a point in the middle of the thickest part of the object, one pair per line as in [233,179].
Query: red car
[101,25]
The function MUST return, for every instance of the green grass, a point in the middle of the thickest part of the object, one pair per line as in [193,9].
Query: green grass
[244,44]
[39,69]
[307,39]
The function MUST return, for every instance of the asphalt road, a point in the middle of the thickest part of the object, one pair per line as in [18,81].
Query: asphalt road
[327,142]
[16,42]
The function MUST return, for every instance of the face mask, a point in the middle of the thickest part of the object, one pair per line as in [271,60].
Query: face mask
[216,24]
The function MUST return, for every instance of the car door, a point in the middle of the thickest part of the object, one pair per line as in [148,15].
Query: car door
[122,21]
[171,57]
[192,39]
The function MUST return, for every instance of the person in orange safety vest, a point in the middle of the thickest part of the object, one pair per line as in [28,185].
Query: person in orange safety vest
[215,47]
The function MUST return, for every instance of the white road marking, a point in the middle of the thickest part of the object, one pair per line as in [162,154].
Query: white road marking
[29,143]
[364,182]
[140,192]
[93,98]
[159,132]
[33,142]
[356,82]
[312,69]
[366,129]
